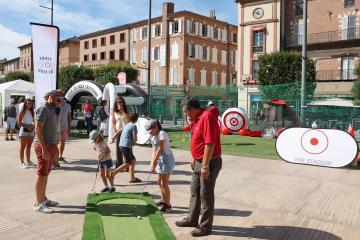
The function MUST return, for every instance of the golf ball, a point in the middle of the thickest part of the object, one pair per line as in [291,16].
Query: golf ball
[138,217]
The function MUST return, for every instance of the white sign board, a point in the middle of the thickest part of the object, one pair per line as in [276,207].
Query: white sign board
[45,40]
[321,147]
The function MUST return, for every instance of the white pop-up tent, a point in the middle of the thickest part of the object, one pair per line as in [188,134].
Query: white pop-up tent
[15,88]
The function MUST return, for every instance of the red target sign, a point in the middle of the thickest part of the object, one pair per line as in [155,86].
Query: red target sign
[234,120]
[314,141]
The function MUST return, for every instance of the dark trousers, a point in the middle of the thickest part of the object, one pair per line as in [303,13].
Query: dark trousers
[89,125]
[119,156]
[202,193]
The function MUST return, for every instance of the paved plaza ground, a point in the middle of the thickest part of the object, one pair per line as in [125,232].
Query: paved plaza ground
[255,198]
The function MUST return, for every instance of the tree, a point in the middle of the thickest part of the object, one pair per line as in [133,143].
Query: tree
[280,76]
[108,73]
[14,75]
[72,74]
[355,90]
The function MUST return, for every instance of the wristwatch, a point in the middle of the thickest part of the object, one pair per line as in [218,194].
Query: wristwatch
[205,167]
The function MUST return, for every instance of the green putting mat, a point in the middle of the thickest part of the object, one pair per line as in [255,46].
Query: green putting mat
[112,216]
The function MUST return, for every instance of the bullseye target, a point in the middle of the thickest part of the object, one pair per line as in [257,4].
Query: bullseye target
[314,141]
[234,120]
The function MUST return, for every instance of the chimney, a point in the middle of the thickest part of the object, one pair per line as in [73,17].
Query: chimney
[212,14]
[168,8]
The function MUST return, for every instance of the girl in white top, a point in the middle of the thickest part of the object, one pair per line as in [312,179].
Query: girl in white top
[26,133]
[162,161]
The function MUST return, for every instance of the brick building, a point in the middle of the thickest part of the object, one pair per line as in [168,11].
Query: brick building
[184,46]
[26,57]
[11,65]
[333,41]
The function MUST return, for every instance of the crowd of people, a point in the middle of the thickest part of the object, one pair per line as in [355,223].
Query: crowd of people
[37,128]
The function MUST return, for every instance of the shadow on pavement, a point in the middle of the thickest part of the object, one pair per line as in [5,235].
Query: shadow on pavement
[273,233]
[222,212]
[172,182]
[69,209]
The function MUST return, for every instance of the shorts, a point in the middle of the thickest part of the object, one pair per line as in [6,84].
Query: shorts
[127,154]
[106,164]
[10,123]
[64,134]
[22,133]
[44,165]
[165,164]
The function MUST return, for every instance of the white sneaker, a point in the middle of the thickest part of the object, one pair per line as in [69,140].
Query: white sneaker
[23,165]
[50,203]
[31,164]
[41,207]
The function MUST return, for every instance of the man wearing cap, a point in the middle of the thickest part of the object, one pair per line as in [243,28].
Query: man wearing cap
[213,109]
[206,163]
[65,126]
[46,139]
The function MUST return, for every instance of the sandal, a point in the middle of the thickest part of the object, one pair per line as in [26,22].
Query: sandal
[136,180]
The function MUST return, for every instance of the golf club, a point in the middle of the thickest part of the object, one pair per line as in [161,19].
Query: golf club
[97,170]
[132,209]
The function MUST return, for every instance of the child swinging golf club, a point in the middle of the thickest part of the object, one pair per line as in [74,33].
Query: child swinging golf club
[162,161]
[103,156]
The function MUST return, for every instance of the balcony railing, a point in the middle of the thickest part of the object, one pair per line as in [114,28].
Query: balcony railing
[258,49]
[336,75]
[325,37]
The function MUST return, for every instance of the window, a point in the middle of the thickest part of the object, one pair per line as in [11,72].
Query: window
[93,57]
[223,79]
[348,28]
[122,37]
[347,68]
[191,75]
[86,44]
[94,43]
[102,55]
[299,4]
[223,57]
[144,33]
[216,33]
[134,56]
[193,27]
[204,31]
[203,77]
[175,51]
[213,78]
[103,41]
[298,34]
[112,55]
[157,30]
[156,53]
[214,55]
[258,41]
[255,69]
[205,53]
[349,3]
[112,39]
[191,50]
[144,55]
[234,37]
[156,76]
[173,75]
[122,54]
[233,57]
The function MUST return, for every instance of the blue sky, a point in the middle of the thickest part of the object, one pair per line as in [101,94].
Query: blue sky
[77,17]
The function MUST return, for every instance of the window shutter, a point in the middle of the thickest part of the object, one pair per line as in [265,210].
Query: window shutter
[180,25]
[219,34]
[189,49]
[163,55]
[188,25]
[175,72]
[161,29]
[196,51]
[196,28]
[171,25]
[224,35]
[208,54]
[208,31]
[201,52]
[153,31]
[140,34]
[200,29]
[171,82]
[152,54]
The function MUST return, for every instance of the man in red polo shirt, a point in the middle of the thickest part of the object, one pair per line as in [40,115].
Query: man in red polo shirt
[206,152]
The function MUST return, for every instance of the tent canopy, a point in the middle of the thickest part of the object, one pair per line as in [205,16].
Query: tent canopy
[16,87]
[340,102]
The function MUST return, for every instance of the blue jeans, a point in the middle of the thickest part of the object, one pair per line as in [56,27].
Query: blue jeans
[89,126]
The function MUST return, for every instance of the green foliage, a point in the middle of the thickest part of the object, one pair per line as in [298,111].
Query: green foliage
[285,68]
[357,70]
[11,76]
[108,73]
[355,90]
[72,74]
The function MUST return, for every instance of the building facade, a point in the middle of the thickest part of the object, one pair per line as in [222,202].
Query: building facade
[11,65]
[333,41]
[26,64]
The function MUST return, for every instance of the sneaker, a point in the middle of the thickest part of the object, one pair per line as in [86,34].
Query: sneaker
[23,165]
[7,139]
[55,166]
[112,189]
[41,207]
[12,139]
[50,203]
[185,223]
[160,203]
[31,164]
[62,160]
[200,231]
[166,208]
[105,189]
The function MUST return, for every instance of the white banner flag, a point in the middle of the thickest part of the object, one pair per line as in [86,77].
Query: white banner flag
[45,41]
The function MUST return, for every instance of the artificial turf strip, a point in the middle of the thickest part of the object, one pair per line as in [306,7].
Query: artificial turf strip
[105,208]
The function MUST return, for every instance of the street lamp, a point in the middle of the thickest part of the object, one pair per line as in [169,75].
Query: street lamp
[149,59]
[52,10]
